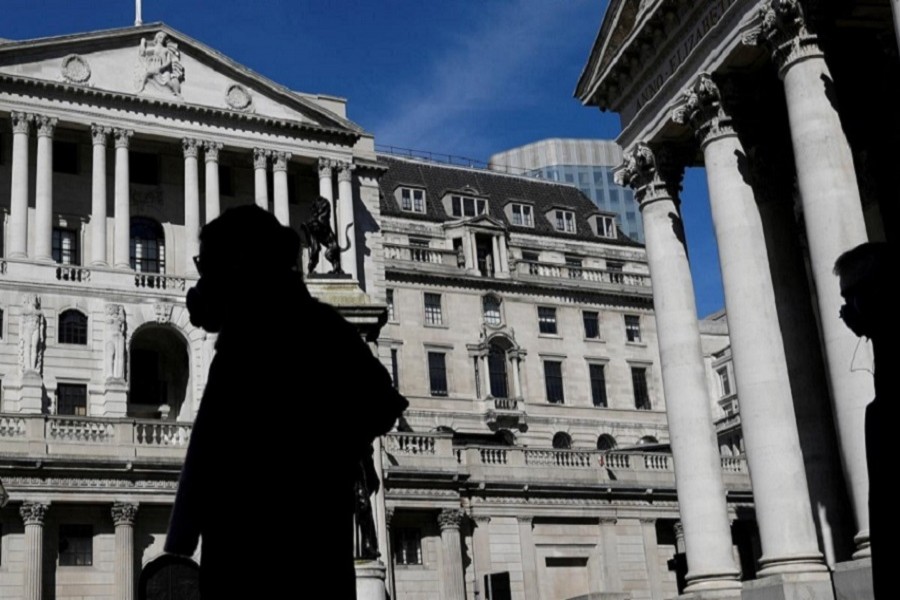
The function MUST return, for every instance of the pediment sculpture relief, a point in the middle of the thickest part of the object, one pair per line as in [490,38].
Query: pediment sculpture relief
[159,61]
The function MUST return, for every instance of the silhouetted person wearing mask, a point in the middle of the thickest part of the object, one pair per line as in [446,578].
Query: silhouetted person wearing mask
[870,311]
[293,400]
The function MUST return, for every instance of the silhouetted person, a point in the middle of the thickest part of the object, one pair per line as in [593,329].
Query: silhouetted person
[293,400]
[870,311]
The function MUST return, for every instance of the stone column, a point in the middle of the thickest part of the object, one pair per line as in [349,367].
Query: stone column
[33,515]
[609,539]
[486,374]
[99,136]
[529,558]
[468,251]
[260,185]
[769,425]
[326,170]
[504,254]
[495,253]
[481,542]
[43,190]
[280,162]
[453,582]
[698,469]
[517,375]
[211,156]
[833,216]
[18,214]
[345,218]
[651,556]
[191,149]
[122,248]
[123,515]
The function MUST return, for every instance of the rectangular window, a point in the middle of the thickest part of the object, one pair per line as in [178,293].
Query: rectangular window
[65,246]
[464,206]
[725,381]
[522,215]
[606,227]
[76,545]
[395,368]
[412,200]
[392,312]
[65,157]
[143,168]
[554,381]
[591,320]
[641,394]
[547,319]
[437,373]
[633,328]
[433,313]
[565,221]
[407,546]
[71,399]
[598,385]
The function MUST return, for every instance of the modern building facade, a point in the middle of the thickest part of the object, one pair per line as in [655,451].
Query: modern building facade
[586,164]
[768,97]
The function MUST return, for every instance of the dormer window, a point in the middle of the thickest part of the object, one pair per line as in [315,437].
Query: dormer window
[412,200]
[564,220]
[606,227]
[522,215]
[466,206]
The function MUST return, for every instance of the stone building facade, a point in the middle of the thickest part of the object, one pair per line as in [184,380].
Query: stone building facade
[769,97]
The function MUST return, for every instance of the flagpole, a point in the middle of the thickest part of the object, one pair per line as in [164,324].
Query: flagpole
[137,13]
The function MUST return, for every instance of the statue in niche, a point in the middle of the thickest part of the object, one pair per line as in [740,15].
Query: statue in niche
[364,487]
[115,341]
[319,234]
[32,336]
[160,61]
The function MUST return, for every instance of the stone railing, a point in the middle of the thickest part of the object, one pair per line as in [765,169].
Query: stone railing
[506,404]
[562,458]
[557,271]
[80,429]
[73,274]
[12,426]
[418,254]
[410,443]
[154,281]
[616,460]
[734,464]
[156,433]
[656,461]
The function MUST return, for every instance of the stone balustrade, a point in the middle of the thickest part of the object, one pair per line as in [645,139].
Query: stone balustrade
[418,254]
[557,271]
[506,404]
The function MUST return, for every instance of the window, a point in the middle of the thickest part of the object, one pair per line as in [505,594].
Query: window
[1,324]
[490,306]
[65,246]
[143,168]
[437,373]
[497,372]
[464,206]
[522,215]
[724,381]
[433,313]
[641,394]
[554,381]
[633,328]
[65,157]
[547,319]
[76,545]
[606,227]
[72,327]
[606,442]
[412,200]
[598,385]
[564,221]
[591,320]
[407,546]
[395,368]
[71,399]
[562,441]
[148,246]
[574,267]
[391,311]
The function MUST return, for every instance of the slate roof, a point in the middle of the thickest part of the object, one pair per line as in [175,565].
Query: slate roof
[499,189]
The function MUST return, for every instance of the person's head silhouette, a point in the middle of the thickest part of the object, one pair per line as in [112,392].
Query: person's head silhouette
[245,254]
[863,279]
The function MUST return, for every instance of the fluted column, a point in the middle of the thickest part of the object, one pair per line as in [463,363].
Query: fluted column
[698,470]
[122,247]
[43,190]
[768,422]
[32,514]
[280,184]
[211,157]
[99,137]
[833,216]
[260,185]
[191,149]
[326,172]
[452,576]
[345,227]
[18,214]
[123,515]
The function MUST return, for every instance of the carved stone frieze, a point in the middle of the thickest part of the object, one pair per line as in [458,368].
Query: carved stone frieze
[782,27]
[163,312]
[701,109]
[96,483]
[238,97]
[33,513]
[159,62]
[124,513]
[75,69]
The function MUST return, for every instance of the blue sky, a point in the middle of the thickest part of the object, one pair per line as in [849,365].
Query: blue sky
[461,77]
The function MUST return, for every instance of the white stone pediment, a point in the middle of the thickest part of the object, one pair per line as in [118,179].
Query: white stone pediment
[159,63]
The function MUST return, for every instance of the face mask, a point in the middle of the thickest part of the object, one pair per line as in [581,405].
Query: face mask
[202,307]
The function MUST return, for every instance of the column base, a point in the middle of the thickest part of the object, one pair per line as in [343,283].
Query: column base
[370,576]
[807,563]
[115,399]
[790,586]
[734,594]
[853,580]
[863,546]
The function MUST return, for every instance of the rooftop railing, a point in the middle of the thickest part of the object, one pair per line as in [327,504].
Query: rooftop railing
[106,278]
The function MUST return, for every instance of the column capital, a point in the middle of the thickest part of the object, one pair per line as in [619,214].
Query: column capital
[122,137]
[325,167]
[124,513]
[260,158]
[526,519]
[99,134]
[280,160]
[45,125]
[480,520]
[33,513]
[653,176]
[211,151]
[608,520]
[700,108]
[450,518]
[191,147]
[389,516]
[647,520]
[21,122]
[783,27]
[345,171]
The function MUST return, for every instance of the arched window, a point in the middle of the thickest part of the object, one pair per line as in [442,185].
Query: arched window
[562,441]
[497,371]
[72,327]
[647,440]
[606,442]
[148,246]
[490,306]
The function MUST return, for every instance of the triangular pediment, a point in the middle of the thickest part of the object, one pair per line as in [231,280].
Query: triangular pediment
[158,63]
